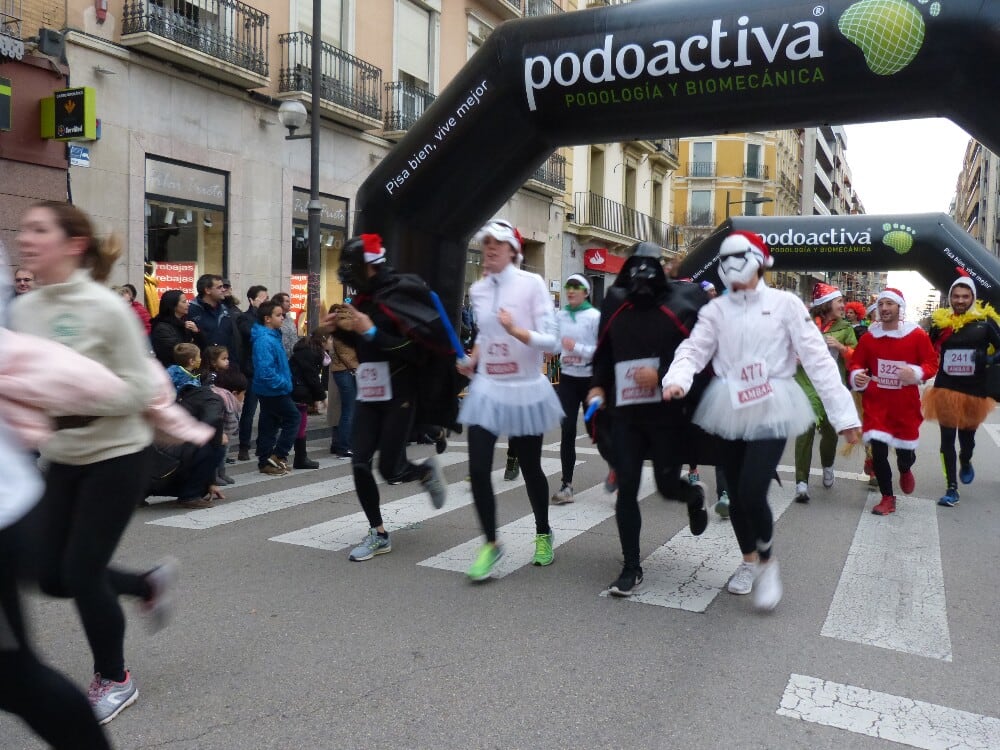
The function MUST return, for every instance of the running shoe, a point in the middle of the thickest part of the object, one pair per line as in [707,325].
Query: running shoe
[907,482]
[694,477]
[160,604]
[482,568]
[543,550]
[512,471]
[697,514]
[722,506]
[433,482]
[949,499]
[872,482]
[886,506]
[109,698]
[441,442]
[371,545]
[564,495]
[828,476]
[627,583]
[767,586]
[966,473]
[611,482]
[801,492]
[741,582]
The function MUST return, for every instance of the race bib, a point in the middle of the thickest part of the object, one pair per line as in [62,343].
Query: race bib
[751,386]
[959,362]
[570,360]
[889,371]
[499,359]
[374,383]
[627,392]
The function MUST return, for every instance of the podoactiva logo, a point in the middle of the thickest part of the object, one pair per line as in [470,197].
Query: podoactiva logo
[829,240]
[778,53]
[889,33]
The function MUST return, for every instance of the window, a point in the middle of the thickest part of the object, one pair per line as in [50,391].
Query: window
[413,44]
[755,162]
[334,28]
[701,207]
[749,207]
[702,164]
[597,171]
[332,235]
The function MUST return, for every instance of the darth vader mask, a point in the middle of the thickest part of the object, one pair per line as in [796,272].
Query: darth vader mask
[646,280]
[351,271]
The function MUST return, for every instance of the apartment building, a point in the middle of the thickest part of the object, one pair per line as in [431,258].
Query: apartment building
[192,165]
[977,195]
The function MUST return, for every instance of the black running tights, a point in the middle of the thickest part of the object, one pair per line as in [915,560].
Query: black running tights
[905,458]
[749,466]
[966,444]
[572,394]
[528,449]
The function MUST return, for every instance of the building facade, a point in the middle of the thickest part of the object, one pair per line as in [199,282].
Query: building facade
[977,196]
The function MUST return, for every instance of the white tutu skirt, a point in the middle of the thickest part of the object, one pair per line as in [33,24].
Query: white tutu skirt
[786,414]
[511,407]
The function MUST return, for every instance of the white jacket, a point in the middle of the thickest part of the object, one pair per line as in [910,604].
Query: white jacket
[580,326]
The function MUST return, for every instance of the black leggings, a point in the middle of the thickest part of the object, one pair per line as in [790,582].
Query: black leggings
[528,449]
[382,426]
[749,467]
[572,394]
[81,517]
[966,444]
[905,458]
[49,703]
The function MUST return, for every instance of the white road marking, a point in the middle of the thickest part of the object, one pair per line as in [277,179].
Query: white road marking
[688,572]
[239,510]
[993,430]
[346,531]
[590,507]
[819,472]
[891,590]
[888,717]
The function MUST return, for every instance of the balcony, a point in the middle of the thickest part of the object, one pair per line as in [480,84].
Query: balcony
[618,222]
[507,9]
[222,39]
[550,177]
[540,8]
[404,104]
[349,87]
[606,3]
[700,169]
[699,219]
[756,171]
[11,19]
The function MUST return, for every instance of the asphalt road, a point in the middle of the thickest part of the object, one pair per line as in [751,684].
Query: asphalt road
[888,625]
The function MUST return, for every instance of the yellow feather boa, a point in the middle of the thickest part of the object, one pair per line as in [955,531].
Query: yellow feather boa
[943,317]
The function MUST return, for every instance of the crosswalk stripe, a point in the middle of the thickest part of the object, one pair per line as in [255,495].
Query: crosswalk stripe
[891,590]
[993,430]
[888,717]
[589,508]
[346,531]
[239,510]
[688,572]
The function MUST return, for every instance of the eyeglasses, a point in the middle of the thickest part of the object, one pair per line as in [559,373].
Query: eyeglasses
[574,287]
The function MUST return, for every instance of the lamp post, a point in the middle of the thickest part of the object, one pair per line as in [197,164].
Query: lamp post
[293,116]
[749,202]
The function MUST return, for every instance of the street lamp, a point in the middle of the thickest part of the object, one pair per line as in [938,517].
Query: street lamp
[748,202]
[292,115]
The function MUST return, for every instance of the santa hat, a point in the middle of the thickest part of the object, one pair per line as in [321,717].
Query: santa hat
[823,293]
[740,242]
[893,295]
[503,231]
[963,280]
[374,252]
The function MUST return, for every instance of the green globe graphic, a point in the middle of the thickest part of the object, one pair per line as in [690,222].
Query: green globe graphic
[888,32]
[899,237]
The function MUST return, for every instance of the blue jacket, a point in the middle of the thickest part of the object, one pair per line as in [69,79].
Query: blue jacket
[181,377]
[214,325]
[271,374]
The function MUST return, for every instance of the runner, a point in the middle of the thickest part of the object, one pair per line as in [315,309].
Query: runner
[752,336]
[965,335]
[889,363]
[509,394]
[577,323]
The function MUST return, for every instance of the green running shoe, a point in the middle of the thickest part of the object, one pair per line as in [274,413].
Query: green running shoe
[543,550]
[482,568]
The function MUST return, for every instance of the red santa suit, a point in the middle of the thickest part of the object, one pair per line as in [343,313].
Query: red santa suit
[891,409]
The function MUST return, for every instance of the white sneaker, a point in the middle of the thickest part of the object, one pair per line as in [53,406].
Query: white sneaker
[828,476]
[767,586]
[563,496]
[801,492]
[741,581]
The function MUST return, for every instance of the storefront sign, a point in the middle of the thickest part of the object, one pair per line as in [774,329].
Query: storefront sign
[70,115]
[299,292]
[79,156]
[186,183]
[5,93]
[176,276]
[334,209]
[599,259]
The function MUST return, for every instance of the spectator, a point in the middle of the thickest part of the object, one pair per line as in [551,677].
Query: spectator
[209,312]
[272,382]
[309,357]
[128,292]
[243,352]
[343,366]
[289,331]
[232,304]
[24,281]
[229,384]
[170,327]
[187,361]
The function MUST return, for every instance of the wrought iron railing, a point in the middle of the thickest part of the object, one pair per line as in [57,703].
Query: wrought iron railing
[591,209]
[700,219]
[700,169]
[404,103]
[756,171]
[541,8]
[552,172]
[346,80]
[227,30]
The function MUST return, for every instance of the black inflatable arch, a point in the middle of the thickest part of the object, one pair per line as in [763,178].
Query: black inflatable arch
[669,68]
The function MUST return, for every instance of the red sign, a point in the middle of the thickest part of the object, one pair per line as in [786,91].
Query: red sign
[599,259]
[175,276]
[299,293]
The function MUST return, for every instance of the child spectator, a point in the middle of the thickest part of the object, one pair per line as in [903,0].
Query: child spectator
[187,360]
[230,385]
[309,357]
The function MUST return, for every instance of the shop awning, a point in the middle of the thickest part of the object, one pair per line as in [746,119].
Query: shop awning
[599,259]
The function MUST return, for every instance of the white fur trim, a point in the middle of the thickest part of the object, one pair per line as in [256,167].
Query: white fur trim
[890,440]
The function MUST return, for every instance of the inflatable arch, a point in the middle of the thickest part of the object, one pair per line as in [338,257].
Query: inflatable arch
[670,68]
